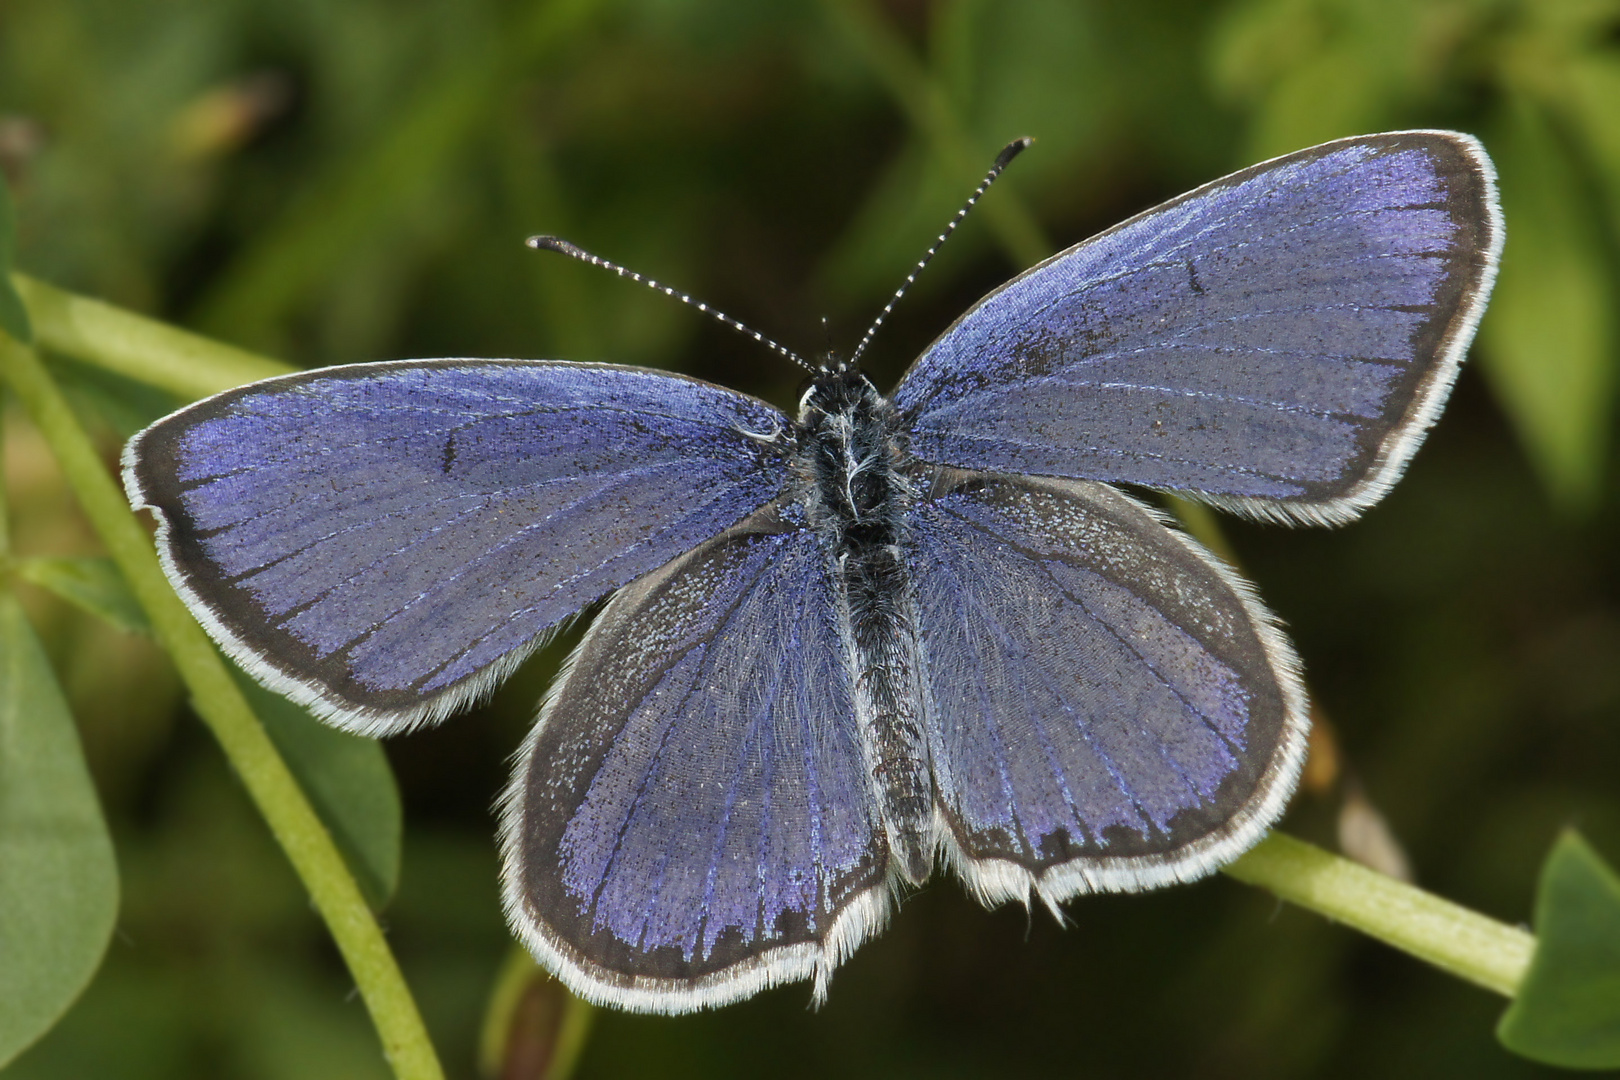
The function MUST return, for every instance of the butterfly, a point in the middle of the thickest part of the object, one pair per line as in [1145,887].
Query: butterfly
[841,647]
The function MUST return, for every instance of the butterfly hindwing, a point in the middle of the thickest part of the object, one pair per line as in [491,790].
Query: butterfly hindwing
[1110,708]
[1277,341]
[383,541]
[690,821]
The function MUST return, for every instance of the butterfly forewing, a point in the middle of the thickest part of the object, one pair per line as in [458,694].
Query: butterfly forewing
[1111,709]
[690,821]
[1277,340]
[381,541]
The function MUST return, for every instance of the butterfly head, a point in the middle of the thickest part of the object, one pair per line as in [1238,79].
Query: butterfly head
[837,388]
[833,362]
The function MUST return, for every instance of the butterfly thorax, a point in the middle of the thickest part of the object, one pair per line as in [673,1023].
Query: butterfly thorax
[857,493]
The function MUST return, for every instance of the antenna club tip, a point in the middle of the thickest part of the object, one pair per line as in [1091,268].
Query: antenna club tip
[1012,150]
[551,243]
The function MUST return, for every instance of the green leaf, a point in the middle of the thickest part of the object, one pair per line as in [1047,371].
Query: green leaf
[349,782]
[93,584]
[1550,337]
[58,880]
[1567,1011]
[13,315]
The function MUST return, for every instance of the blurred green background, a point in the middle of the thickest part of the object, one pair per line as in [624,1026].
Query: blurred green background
[342,181]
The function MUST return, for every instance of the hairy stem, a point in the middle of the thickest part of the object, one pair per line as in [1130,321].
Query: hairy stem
[1453,938]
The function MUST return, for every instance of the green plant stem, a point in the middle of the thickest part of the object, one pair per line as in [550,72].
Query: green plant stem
[155,353]
[219,702]
[1451,937]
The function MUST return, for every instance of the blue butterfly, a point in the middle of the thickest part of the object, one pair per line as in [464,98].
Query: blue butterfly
[842,646]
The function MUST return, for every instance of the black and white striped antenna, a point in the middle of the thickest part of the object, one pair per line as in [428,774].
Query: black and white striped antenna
[552,243]
[557,244]
[1008,152]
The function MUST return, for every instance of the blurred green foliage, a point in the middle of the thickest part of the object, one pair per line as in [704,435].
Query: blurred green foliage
[13,315]
[342,181]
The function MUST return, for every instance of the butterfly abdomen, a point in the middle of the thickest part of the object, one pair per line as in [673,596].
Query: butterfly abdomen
[858,498]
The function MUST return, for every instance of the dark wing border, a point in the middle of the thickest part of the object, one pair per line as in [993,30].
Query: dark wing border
[1396,451]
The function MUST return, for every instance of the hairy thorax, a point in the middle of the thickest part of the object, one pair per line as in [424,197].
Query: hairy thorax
[858,489]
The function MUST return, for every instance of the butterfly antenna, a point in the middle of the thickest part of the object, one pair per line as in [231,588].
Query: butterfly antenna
[1008,152]
[552,243]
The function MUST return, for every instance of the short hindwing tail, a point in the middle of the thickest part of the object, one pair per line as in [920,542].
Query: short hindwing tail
[1112,709]
[689,822]
[1276,342]
[384,542]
